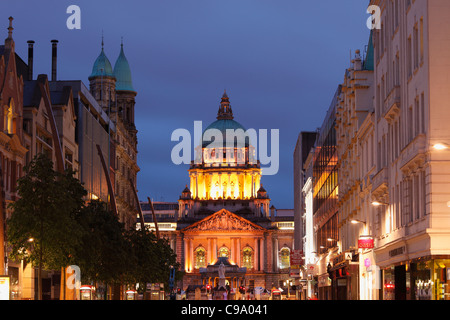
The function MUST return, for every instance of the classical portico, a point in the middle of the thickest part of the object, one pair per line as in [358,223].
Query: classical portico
[223,235]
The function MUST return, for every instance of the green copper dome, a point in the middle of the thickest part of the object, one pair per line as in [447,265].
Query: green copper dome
[122,73]
[222,125]
[102,66]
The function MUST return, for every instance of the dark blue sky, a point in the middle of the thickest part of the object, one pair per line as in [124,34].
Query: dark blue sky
[280,62]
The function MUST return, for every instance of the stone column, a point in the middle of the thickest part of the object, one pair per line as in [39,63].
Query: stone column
[253,185]
[208,189]
[256,256]
[228,191]
[233,249]
[243,184]
[215,249]
[186,258]
[261,254]
[275,253]
[238,252]
[191,254]
[220,186]
[196,186]
[210,260]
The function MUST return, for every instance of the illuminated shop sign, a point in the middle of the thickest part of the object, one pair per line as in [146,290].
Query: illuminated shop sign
[365,242]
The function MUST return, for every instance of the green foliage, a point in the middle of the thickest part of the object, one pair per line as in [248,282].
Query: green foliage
[104,255]
[45,211]
[65,230]
[154,257]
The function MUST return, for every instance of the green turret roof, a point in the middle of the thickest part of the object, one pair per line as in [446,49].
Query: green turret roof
[369,61]
[122,73]
[102,66]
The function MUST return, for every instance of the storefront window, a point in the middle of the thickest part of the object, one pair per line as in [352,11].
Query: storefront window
[421,279]
[441,279]
[389,284]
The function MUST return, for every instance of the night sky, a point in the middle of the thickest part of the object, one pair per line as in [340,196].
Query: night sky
[280,62]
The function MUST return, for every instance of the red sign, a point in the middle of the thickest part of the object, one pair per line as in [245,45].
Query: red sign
[296,258]
[365,243]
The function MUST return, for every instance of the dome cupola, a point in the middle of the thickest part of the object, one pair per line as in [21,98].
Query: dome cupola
[122,72]
[102,66]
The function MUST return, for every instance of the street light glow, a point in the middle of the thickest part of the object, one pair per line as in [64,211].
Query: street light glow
[440,146]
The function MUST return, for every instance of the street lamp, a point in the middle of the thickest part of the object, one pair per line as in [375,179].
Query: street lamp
[378,203]
[440,146]
[355,221]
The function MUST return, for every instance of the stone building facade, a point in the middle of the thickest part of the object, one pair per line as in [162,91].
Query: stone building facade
[224,213]
[112,88]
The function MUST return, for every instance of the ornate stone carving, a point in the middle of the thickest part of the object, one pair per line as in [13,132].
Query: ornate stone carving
[224,220]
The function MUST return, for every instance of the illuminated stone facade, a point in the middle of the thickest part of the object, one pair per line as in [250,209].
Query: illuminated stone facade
[225,213]
[226,175]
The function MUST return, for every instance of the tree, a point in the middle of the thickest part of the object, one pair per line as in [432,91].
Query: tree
[110,254]
[42,228]
[104,254]
[153,259]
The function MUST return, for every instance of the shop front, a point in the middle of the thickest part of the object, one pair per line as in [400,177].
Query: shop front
[426,278]
[344,275]
[324,287]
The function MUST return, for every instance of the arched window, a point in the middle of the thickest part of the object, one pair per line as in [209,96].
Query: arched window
[247,258]
[200,258]
[8,120]
[285,258]
[224,252]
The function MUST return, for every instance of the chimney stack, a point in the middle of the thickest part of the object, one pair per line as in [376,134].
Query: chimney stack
[54,56]
[272,213]
[30,59]
[357,62]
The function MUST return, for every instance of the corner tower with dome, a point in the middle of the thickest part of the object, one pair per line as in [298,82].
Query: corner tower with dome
[225,176]
[114,91]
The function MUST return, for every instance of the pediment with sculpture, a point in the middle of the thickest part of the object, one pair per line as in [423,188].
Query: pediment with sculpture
[223,221]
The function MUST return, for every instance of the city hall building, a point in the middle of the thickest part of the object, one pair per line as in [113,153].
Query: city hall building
[224,216]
